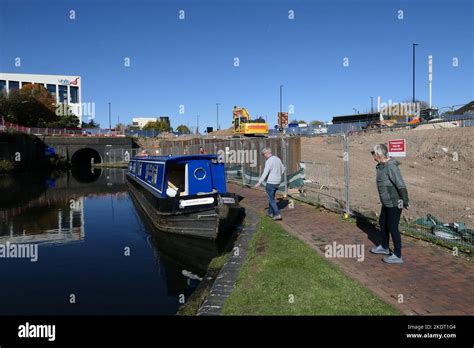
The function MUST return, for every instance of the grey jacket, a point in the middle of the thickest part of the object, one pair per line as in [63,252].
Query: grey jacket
[273,171]
[390,184]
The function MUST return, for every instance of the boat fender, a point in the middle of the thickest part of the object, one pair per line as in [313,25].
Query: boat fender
[222,209]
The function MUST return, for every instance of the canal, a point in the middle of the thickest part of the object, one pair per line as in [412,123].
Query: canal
[96,253]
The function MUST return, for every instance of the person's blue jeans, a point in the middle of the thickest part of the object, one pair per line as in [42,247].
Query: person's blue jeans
[272,204]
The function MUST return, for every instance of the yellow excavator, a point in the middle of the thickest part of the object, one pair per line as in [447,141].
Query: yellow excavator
[242,124]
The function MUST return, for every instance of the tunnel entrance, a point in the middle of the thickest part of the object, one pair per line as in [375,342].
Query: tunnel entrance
[81,162]
[85,157]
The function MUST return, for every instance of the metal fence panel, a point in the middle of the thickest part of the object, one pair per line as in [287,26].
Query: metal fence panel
[242,157]
[323,165]
[437,170]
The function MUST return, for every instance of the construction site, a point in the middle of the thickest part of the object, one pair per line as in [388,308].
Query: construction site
[437,170]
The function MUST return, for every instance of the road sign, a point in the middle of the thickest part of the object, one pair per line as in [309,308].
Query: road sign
[49,151]
[283,120]
[397,148]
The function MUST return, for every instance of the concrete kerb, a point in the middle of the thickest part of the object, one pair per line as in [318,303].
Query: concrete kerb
[227,277]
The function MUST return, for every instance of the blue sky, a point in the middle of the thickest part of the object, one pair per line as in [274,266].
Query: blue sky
[190,62]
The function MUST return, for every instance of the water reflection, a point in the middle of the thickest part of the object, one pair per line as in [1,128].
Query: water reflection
[86,175]
[93,243]
[60,222]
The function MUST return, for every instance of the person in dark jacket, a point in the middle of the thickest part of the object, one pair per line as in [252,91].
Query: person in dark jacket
[393,195]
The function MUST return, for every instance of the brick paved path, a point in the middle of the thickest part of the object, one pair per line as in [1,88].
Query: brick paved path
[432,281]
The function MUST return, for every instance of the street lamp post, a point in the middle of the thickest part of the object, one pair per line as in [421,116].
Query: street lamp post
[217,107]
[414,45]
[197,125]
[281,116]
[110,116]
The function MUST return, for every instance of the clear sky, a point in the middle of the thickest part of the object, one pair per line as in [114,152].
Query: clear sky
[190,62]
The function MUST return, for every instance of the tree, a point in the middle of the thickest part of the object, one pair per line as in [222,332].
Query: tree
[316,123]
[34,106]
[158,126]
[66,121]
[120,127]
[91,124]
[5,106]
[132,127]
[31,105]
[183,129]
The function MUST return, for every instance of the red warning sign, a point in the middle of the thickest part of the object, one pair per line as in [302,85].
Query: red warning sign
[397,148]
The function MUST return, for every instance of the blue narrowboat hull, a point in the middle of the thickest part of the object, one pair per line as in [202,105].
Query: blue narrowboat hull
[203,215]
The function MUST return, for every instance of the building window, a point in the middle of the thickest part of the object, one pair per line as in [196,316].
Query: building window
[52,90]
[63,94]
[74,94]
[3,85]
[13,85]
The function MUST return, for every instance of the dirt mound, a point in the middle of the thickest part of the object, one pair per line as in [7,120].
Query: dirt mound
[437,170]
[223,132]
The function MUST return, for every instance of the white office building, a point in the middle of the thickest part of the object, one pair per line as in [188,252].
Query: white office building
[142,121]
[65,89]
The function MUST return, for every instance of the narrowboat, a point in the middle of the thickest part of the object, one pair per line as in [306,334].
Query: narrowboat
[186,195]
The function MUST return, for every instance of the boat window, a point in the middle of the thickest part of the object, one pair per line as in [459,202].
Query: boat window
[200,173]
[155,174]
[176,173]
[140,165]
[149,169]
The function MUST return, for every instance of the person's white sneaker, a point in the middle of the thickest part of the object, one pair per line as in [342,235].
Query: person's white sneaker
[393,259]
[380,250]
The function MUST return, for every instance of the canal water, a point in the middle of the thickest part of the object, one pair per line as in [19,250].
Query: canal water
[96,252]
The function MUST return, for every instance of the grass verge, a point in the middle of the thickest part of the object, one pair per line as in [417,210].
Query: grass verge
[6,166]
[284,276]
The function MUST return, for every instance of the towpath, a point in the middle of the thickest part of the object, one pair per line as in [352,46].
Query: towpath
[431,281]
